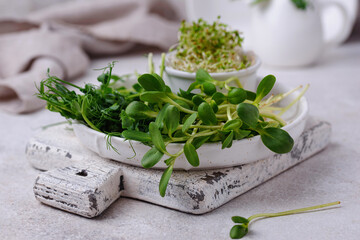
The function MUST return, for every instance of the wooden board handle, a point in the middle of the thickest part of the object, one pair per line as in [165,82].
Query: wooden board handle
[86,191]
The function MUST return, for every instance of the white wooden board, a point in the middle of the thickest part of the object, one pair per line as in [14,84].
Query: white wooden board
[79,181]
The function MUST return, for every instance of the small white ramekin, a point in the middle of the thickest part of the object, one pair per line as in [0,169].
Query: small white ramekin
[248,77]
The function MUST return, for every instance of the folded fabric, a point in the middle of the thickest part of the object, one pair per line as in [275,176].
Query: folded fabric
[63,37]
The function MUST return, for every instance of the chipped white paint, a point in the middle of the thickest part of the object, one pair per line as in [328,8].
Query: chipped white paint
[195,192]
[85,191]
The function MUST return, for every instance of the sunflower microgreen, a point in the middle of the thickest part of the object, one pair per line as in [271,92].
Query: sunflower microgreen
[151,113]
[242,224]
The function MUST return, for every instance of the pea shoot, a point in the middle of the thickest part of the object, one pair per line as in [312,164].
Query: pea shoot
[242,224]
[212,47]
[151,113]
[97,107]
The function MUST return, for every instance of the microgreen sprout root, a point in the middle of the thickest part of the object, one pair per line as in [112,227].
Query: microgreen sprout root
[212,47]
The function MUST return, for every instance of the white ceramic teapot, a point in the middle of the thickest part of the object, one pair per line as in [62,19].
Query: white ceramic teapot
[284,35]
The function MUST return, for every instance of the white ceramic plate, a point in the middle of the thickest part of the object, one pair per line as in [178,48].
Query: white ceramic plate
[210,154]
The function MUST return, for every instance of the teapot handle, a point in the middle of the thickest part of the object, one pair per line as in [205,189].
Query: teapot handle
[345,29]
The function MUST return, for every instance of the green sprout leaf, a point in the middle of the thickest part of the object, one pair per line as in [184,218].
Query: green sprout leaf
[206,114]
[250,95]
[152,82]
[218,97]
[153,96]
[264,87]
[172,118]
[228,140]
[248,113]
[277,140]
[188,122]
[186,94]
[138,110]
[182,103]
[232,125]
[151,158]
[137,87]
[136,135]
[209,88]
[199,141]
[238,219]
[126,120]
[104,78]
[165,180]
[197,100]
[238,231]
[240,133]
[161,115]
[214,106]
[193,86]
[237,95]
[191,154]
[156,137]
[203,76]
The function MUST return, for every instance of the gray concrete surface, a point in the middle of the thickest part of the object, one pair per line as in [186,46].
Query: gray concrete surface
[329,176]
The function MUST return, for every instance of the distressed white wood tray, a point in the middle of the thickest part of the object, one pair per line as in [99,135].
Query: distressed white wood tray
[79,181]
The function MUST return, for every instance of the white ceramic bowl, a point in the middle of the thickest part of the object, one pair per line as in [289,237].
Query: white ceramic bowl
[210,154]
[181,79]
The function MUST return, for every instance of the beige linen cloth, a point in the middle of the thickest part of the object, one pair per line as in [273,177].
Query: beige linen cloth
[63,37]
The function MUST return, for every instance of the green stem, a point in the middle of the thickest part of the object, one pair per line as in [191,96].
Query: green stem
[150,63]
[162,65]
[227,105]
[204,133]
[234,115]
[272,108]
[85,117]
[65,82]
[200,134]
[54,124]
[54,104]
[169,100]
[268,114]
[292,211]
[200,126]
[174,96]
[294,101]
[134,95]
[238,83]
[222,116]
[278,97]
[228,113]
[54,90]
[89,123]
[196,128]
[236,79]
[179,153]
[227,87]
